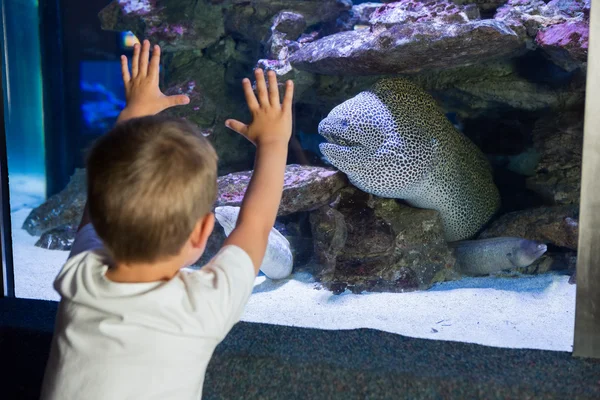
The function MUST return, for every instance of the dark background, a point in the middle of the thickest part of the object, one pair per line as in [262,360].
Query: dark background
[83,90]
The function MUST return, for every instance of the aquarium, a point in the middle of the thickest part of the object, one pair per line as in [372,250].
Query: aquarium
[433,178]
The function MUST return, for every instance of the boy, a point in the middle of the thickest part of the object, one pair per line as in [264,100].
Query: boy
[130,324]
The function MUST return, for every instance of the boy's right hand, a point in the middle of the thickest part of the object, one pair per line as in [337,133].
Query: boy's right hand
[271,120]
[142,91]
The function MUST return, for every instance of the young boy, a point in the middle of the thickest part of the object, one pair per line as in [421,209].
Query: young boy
[131,324]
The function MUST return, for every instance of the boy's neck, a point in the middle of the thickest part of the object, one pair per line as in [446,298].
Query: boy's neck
[143,272]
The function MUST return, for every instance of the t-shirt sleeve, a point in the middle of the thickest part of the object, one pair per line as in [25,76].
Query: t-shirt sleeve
[86,239]
[222,288]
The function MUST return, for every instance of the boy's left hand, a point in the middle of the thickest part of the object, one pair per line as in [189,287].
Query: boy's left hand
[142,92]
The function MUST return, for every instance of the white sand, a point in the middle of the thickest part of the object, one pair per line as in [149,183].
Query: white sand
[527,312]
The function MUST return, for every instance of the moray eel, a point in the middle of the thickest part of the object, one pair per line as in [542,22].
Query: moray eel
[482,257]
[278,260]
[394,141]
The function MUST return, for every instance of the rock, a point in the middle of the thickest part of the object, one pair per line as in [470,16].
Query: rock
[301,246]
[329,234]
[286,28]
[476,91]
[572,8]
[362,12]
[486,6]
[62,209]
[555,225]
[278,260]
[305,188]
[408,48]
[174,24]
[192,25]
[252,20]
[551,262]
[566,44]
[573,278]
[409,12]
[290,24]
[388,247]
[204,80]
[60,238]
[559,140]
[560,28]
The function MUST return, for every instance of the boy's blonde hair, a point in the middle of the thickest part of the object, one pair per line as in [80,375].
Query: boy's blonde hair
[150,180]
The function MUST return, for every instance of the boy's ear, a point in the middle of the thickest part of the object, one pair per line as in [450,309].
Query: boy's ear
[203,229]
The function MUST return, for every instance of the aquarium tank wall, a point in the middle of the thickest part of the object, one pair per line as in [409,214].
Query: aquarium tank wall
[433,178]
[23,108]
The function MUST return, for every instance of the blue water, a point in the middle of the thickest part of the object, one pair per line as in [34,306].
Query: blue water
[103,95]
[23,102]
[22,81]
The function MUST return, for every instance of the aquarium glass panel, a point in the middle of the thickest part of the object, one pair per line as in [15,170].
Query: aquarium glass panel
[433,173]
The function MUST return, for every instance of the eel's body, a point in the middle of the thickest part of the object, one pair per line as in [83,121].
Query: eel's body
[485,256]
[278,261]
[394,141]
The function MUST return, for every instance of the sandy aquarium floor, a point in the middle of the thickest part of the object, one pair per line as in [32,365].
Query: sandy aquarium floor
[527,312]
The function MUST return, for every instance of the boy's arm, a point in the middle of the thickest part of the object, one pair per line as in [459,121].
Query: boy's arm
[142,93]
[270,131]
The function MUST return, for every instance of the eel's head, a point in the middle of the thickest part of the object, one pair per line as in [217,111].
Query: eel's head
[359,123]
[363,143]
[526,252]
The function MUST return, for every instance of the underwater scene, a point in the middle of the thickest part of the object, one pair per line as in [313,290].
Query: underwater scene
[433,178]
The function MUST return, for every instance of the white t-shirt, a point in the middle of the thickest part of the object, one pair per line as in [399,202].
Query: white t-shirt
[146,341]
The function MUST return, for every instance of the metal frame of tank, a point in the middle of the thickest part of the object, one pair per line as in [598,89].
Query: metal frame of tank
[587,302]
[7,279]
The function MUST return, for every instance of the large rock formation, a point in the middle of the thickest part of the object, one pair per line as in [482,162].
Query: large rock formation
[559,141]
[367,243]
[306,188]
[465,52]
[555,225]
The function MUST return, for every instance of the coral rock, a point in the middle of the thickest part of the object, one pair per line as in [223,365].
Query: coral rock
[60,238]
[559,140]
[408,48]
[62,209]
[388,246]
[555,225]
[305,188]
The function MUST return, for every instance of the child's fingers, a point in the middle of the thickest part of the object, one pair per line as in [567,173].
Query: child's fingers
[135,60]
[250,97]
[155,63]
[176,100]
[289,95]
[144,58]
[273,89]
[125,69]
[237,126]
[261,86]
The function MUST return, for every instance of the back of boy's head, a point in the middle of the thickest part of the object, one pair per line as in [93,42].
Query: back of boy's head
[150,180]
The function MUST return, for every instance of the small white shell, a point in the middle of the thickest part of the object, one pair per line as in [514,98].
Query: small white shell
[278,261]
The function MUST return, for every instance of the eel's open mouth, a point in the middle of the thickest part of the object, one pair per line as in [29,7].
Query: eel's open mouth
[333,139]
